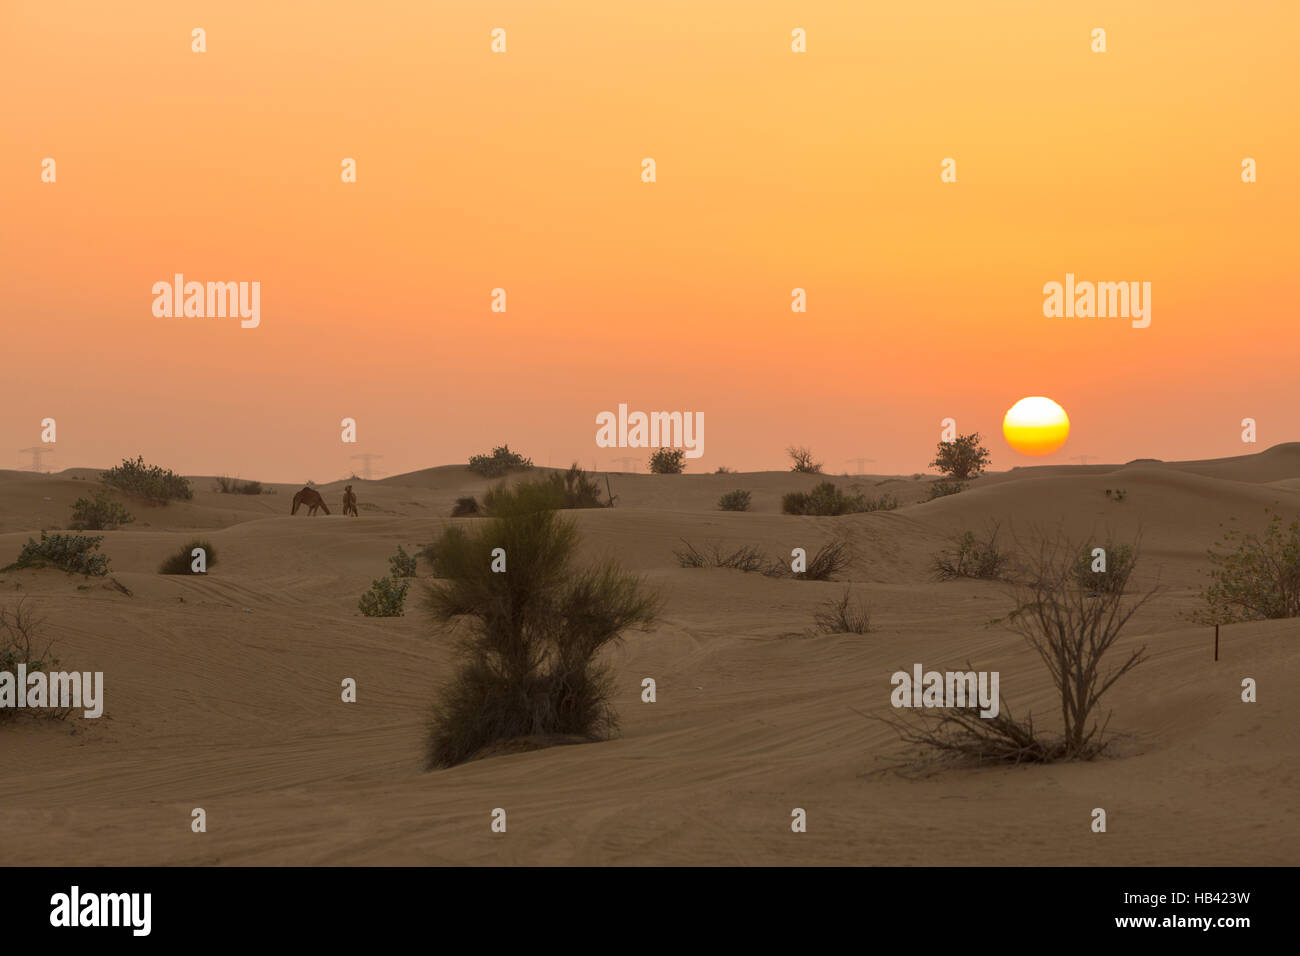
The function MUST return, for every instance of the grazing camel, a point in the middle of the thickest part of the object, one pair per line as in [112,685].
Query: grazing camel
[312,499]
[350,502]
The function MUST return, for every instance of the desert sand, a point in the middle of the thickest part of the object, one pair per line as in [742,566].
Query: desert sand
[224,692]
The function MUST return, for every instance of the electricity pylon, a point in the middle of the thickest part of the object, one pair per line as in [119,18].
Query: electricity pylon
[366,471]
[36,452]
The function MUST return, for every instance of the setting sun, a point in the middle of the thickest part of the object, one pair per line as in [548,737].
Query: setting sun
[1036,426]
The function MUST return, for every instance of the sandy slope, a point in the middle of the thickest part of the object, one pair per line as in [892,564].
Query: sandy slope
[223,693]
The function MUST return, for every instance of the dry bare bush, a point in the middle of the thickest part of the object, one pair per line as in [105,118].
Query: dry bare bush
[829,560]
[744,558]
[802,460]
[20,643]
[845,616]
[1072,629]
[970,557]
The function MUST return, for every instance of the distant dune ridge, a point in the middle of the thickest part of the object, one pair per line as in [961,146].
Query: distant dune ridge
[223,691]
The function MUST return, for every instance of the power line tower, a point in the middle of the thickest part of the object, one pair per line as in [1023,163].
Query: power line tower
[36,452]
[627,463]
[860,462]
[1083,459]
[366,471]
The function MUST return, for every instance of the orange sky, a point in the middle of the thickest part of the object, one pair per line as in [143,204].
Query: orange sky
[522,170]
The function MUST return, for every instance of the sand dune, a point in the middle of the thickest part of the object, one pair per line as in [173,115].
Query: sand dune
[223,692]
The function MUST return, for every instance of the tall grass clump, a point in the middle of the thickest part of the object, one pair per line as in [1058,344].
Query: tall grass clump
[826,499]
[561,491]
[528,664]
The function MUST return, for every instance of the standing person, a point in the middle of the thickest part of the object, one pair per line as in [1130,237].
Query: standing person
[350,502]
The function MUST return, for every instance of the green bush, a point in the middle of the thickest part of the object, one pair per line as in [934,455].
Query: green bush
[972,557]
[233,486]
[74,553]
[401,565]
[962,459]
[667,461]
[98,513]
[1120,559]
[734,501]
[1254,576]
[386,598]
[148,481]
[557,492]
[500,461]
[528,665]
[826,499]
[182,562]
[941,489]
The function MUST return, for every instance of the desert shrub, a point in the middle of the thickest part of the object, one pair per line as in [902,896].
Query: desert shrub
[401,565]
[500,461]
[386,598]
[182,562]
[830,559]
[580,489]
[430,551]
[151,482]
[1116,494]
[1119,565]
[724,470]
[74,553]
[20,643]
[826,499]
[963,458]
[557,492]
[802,461]
[233,486]
[1072,630]
[744,558]
[972,557]
[465,507]
[845,616]
[941,489]
[528,666]
[1254,576]
[667,461]
[98,513]
[737,500]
